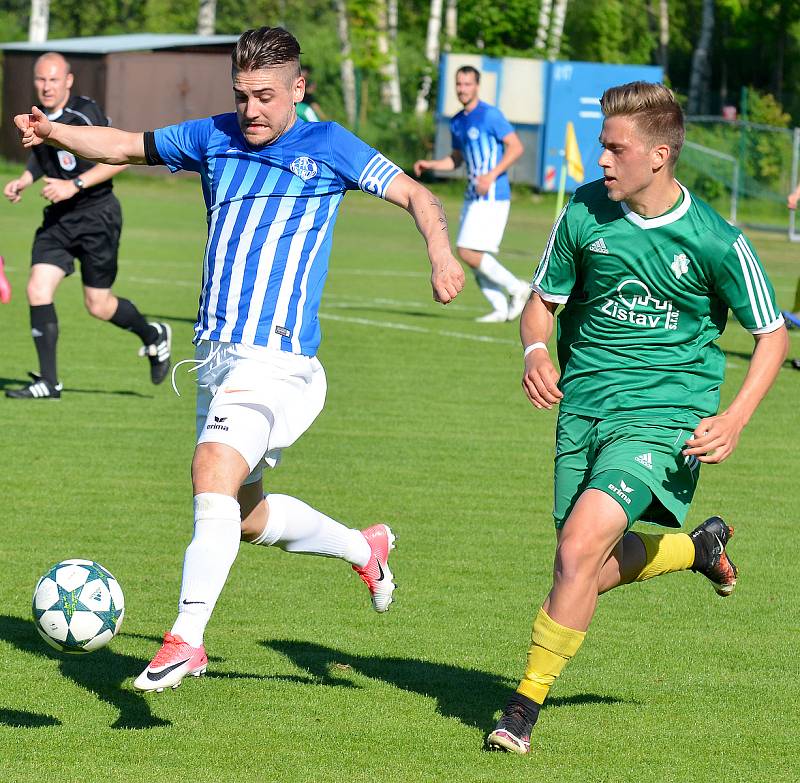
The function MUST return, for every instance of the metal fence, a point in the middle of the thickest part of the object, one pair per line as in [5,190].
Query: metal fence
[743,169]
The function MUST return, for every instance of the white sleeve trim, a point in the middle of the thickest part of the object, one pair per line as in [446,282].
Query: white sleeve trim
[557,298]
[378,175]
[772,327]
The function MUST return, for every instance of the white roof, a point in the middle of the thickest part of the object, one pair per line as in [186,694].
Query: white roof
[104,44]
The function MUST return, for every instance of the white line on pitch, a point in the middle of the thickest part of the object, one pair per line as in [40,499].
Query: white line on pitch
[480,338]
[163,281]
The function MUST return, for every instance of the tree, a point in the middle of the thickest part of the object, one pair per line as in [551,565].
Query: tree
[431,55]
[450,24]
[207,17]
[609,31]
[559,15]
[347,68]
[40,21]
[387,47]
[663,35]
[543,28]
[701,62]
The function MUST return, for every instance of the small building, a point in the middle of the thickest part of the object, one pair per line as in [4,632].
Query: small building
[141,81]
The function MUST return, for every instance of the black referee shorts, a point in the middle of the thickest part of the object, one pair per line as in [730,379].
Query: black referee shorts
[90,234]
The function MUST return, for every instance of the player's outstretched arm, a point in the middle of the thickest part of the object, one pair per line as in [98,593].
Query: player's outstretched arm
[56,189]
[793,198]
[447,276]
[540,378]
[449,163]
[102,145]
[716,437]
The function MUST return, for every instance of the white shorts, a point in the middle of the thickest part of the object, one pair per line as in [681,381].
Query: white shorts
[482,225]
[255,399]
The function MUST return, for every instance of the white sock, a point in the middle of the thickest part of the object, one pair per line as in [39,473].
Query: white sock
[497,296]
[492,269]
[208,560]
[296,527]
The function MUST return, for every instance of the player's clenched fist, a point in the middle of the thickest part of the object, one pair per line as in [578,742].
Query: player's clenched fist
[33,128]
[447,280]
[540,380]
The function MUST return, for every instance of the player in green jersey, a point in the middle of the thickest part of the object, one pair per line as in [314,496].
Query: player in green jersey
[646,273]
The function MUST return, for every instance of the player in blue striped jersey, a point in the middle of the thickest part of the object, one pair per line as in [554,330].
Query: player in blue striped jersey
[487,142]
[272,187]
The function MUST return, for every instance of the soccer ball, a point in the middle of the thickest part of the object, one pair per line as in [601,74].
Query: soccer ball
[78,606]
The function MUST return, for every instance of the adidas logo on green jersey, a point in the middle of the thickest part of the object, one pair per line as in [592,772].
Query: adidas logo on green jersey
[599,246]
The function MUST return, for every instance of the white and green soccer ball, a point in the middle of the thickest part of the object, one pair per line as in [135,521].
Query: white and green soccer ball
[78,606]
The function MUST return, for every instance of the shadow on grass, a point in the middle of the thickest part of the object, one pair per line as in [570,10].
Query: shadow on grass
[21,719]
[102,673]
[18,383]
[174,318]
[469,695]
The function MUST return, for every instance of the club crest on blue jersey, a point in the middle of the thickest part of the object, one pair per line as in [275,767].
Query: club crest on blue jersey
[304,167]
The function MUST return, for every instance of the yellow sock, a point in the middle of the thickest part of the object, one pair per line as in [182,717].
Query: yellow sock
[552,646]
[666,552]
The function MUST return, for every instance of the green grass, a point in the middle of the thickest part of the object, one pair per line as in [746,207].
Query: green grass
[425,426]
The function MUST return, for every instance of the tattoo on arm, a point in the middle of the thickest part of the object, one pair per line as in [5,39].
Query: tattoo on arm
[437,204]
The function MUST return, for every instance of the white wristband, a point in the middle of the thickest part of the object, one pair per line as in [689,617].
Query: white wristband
[532,347]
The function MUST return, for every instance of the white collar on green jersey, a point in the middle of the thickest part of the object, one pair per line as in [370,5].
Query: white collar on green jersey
[661,220]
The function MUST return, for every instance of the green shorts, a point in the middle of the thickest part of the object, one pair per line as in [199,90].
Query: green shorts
[646,449]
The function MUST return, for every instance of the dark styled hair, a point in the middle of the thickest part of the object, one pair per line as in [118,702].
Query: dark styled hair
[469,69]
[654,109]
[265,47]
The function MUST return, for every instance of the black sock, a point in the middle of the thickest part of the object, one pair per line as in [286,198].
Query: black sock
[129,318]
[530,708]
[44,328]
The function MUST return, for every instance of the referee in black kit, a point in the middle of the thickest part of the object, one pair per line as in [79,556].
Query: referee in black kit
[83,221]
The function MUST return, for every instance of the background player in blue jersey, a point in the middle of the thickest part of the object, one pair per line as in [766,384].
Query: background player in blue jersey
[485,140]
[83,220]
[272,187]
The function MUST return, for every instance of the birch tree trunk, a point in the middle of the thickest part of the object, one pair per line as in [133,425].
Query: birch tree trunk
[698,81]
[663,35]
[431,55]
[559,14]
[387,46]
[207,17]
[450,24]
[39,24]
[543,29]
[347,70]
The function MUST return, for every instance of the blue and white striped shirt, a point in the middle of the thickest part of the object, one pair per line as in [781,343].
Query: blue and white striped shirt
[478,136]
[271,212]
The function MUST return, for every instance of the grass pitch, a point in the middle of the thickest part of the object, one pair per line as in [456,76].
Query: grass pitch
[425,427]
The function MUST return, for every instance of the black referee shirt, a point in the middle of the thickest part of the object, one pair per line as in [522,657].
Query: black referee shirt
[47,161]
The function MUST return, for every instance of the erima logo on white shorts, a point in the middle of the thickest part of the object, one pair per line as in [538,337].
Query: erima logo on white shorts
[219,424]
[304,167]
[622,491]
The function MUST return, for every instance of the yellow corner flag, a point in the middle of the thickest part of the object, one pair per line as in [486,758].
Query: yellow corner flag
[573,154]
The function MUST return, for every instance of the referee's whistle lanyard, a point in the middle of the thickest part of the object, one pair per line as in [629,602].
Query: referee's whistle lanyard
[198,363]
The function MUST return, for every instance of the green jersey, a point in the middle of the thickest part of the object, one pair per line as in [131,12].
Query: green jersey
[306,113]
[644,301]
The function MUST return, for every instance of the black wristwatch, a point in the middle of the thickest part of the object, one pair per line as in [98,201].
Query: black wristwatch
[79,183]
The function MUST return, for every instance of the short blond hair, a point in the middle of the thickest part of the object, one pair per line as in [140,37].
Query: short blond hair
[654,109]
